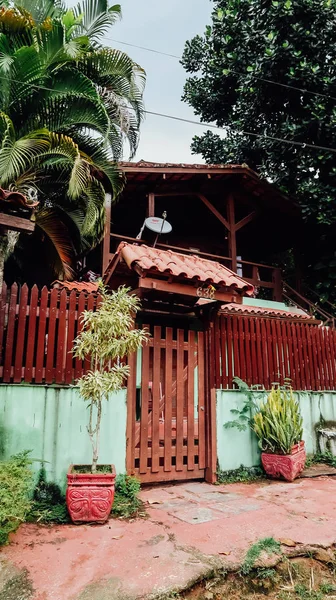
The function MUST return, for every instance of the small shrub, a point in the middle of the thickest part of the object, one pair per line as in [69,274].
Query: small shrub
[48,504]
[126,501]
[278,423]
[241,475]
[268,545]
[16,484]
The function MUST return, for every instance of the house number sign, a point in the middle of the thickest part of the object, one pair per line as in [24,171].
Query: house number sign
[207,292]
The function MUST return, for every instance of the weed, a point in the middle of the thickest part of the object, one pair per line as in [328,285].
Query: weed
[327,588]
[126,501]
[16,483]
[264,573]
[304,593]
[268,545]
[48,504]
[321,457]
[241,475]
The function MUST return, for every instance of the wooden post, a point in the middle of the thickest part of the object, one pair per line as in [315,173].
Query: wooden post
[277,280]
[232,232]
[107,238]
[151,205]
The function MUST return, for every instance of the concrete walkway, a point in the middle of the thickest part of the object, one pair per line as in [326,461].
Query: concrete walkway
[191,529]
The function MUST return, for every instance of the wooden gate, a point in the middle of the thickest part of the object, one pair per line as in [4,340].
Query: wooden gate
[166,407]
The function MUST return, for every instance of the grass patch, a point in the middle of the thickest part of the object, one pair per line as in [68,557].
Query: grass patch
[48,504]
[241,475]
[16,484]
[126,502]
[268,545]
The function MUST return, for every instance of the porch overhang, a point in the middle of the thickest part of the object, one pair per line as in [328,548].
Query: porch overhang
[159,273]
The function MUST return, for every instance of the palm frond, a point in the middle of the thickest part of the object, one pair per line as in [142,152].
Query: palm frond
[48,220]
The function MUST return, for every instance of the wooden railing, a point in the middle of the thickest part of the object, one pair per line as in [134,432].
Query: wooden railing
[260,275]
[37,329]
[266,351]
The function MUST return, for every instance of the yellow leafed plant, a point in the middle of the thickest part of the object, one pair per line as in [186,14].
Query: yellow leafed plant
[278,423]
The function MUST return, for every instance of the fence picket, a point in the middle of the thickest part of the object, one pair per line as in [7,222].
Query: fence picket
[3,314]
[10,334]
[69,360]
[41,335]
[32,338]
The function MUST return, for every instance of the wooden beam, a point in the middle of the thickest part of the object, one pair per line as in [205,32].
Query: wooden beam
[151,205]
[232,232]
[245,220]
[107,233]
[190,169]
[215,211]
[16,223]
[159,285]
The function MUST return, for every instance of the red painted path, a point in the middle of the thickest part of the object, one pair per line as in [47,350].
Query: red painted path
[190,528]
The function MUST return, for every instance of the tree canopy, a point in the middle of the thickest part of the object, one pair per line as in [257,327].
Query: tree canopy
[68,104]
[249,45]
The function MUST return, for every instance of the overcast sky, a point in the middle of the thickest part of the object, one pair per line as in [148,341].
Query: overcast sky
[165,26]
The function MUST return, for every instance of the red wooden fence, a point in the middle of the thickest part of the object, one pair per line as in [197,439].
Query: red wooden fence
[37,329]
[267,351]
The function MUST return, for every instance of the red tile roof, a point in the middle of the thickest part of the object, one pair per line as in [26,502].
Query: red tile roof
[185,266]
[145,164]
[79,286]
[261,311]
[17,199]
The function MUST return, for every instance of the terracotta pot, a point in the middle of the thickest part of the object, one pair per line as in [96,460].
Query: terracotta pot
[89,496]
[285,466]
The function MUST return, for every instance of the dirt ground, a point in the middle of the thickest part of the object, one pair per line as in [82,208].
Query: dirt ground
[292,579]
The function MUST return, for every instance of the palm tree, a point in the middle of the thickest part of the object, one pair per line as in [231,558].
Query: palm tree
[68,105]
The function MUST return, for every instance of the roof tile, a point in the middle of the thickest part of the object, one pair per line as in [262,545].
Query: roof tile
[79,286]
[190,267]
[261,311]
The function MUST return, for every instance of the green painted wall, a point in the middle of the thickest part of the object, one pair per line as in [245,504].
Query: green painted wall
[51,421]
[237,448]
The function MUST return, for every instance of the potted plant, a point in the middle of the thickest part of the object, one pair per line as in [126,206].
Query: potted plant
[106,337]
[278,426]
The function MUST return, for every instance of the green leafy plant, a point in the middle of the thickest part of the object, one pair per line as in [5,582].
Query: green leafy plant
[278,423]
[243,416]
[268,545]
[16,484]
[321,457]
[241,475]
[48,505]
[126,501]
[107,336]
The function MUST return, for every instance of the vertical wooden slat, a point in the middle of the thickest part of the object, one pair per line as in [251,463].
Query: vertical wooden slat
[21,331]
[321,355]
[168,400]
[131,408]
[156,399]
[253,358]
[217,354]
[10,333]
[144,408]
[80,309]
[50,362]
[296,358]
[41,335]
[332,333]
[275,351]
[306,359]
[32,335]
[260,378]
[292,370]
[69,375]
[284,344]
[300,353]
[241,358]
[191,401]
[236,362]
[280,346]
[331,359]
[224,381]
[313,333]
[247,335]
[312,368]
[3,313]
[61,338]
[328,357]
[179,399]
[229,351]
[201,400]
[270,353]
[264,351]
[90,306]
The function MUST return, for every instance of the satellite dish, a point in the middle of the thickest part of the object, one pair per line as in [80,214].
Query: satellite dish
[158,225]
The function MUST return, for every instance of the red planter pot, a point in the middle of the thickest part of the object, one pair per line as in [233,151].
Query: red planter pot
[89,496]
[285,466]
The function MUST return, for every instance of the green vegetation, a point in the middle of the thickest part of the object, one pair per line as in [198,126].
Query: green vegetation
[321,457]
[68,104]
[16,484]
[126,502]
[278,423]
[106,337]
[241,475]
[48,505]
[248,45]
[268,545]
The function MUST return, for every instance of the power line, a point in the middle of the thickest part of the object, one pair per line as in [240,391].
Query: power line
[208,125]
[284,85]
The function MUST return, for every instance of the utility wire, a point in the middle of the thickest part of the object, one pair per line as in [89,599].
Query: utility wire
[284,85]
[208,125]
